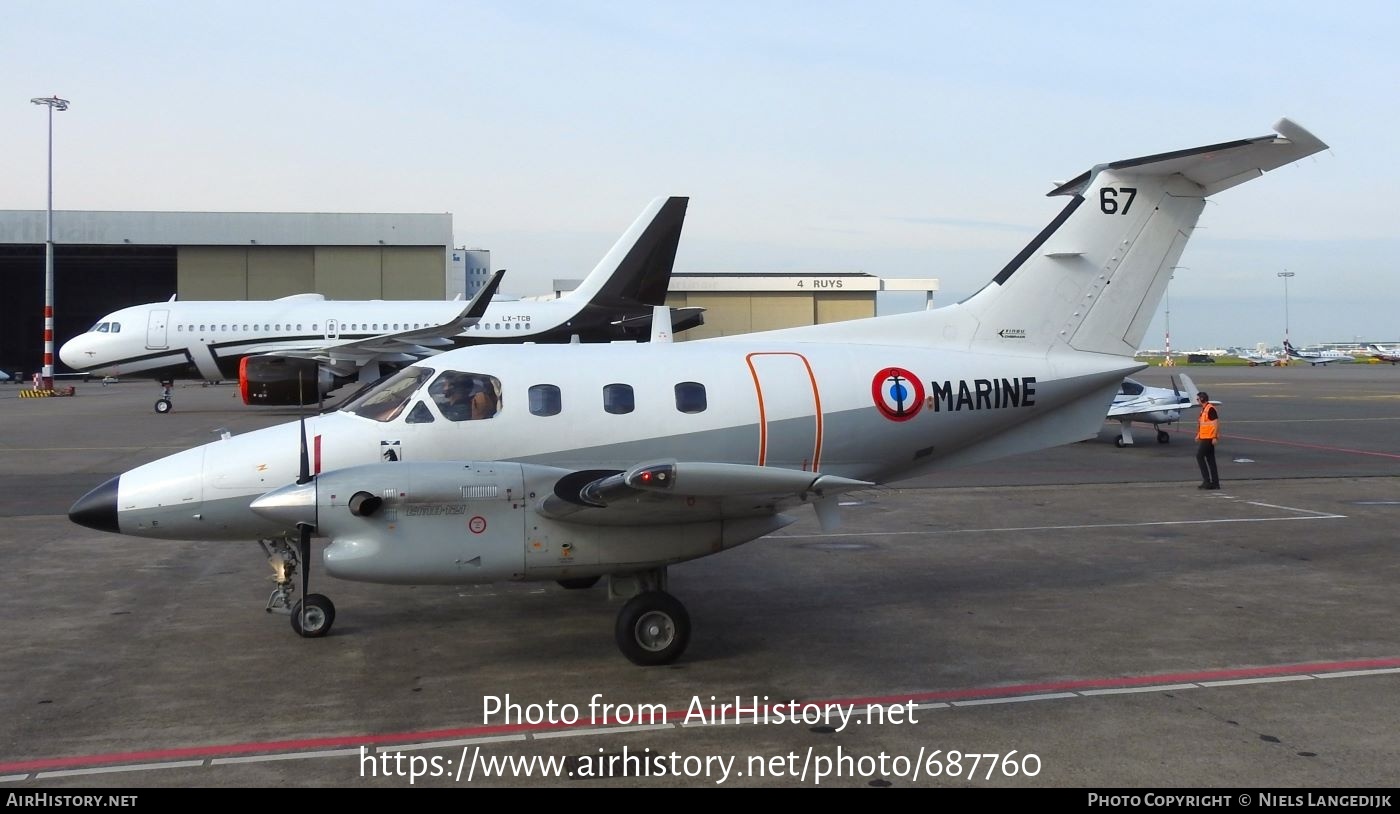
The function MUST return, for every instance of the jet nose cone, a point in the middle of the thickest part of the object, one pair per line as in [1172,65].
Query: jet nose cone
[291,504]
[71,353]
[98,509]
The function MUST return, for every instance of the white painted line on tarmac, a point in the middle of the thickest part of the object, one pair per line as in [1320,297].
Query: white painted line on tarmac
[136,767]
[285,756]
[934,705]
[415,747]
[1015,699]
[1148,688]
[12,778]
[1292,509]
[605,730]
[1235,682]
[1356,673]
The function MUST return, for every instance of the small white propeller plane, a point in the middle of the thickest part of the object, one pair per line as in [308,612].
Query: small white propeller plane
[1150,405]
[1257,359]
[574,462]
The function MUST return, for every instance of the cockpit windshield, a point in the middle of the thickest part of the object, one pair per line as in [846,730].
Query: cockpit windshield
[386,400]
[106,327]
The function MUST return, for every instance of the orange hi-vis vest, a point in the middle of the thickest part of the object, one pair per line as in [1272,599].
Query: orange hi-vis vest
[1209,427]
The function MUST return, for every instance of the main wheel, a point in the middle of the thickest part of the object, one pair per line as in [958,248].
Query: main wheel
[1118,442]
[1163,437]
[579,583]
[164,406]
[652,628]
[320,615]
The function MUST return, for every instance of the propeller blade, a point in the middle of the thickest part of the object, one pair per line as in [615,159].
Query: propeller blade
[305,552]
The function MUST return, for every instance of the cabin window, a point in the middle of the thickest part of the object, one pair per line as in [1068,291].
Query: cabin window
[245,328]
[618,399]
[420,414]
[201,328]
[690,397]
[313,327]
[180,328]
[466,396]
[223,327]
[545,400]
[298,326]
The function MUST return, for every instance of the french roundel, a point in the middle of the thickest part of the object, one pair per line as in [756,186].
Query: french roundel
[898,393]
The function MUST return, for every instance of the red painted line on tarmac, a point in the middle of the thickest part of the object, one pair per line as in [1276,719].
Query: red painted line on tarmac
[1006,691]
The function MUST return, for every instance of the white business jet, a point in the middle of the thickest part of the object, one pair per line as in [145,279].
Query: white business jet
[1316,357]
[574,462]
[1150,405]
[296,349]
[1256,359]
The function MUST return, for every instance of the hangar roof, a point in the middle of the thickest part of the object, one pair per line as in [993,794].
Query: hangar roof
[73,227]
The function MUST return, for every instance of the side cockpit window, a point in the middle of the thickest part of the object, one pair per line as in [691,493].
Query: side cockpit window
[420,414]
[116,327]
[386,400]
[466,396]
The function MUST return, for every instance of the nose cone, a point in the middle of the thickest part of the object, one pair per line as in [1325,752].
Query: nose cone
[98,509]
[292,505]
[71,352]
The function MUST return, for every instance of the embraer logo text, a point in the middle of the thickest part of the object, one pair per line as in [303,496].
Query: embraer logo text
[983,394]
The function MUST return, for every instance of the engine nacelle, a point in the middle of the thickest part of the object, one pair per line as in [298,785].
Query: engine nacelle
[281,381]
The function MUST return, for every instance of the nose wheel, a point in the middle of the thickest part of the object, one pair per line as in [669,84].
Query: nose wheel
[311,617]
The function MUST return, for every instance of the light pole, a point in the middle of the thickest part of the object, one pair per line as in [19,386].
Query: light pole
[1285,275]
[53,103]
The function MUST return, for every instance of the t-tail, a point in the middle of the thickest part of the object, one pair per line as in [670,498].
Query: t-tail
[1092,279]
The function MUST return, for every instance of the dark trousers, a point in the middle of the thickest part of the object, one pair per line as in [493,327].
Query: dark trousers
[1205,457]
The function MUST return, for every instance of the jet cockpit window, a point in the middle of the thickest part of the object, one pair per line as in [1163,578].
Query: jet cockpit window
[1130,388]
[466,396]
[102,327]
[116,327]
[386,400]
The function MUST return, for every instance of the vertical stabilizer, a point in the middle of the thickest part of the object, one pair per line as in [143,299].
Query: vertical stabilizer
[1093,278]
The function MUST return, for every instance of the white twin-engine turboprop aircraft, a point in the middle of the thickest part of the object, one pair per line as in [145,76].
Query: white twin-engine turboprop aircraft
[296,349]
[574,462]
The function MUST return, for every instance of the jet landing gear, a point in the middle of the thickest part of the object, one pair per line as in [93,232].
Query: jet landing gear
[164,404]
[653,627]
[319,612]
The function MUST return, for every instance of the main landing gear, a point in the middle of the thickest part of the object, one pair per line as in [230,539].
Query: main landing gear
[653,627]
[164,404]
[311,617]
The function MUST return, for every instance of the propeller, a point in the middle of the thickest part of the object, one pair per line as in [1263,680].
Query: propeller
[304,529]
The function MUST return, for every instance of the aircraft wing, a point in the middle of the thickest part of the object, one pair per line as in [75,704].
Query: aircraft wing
[670,492]
[403,346]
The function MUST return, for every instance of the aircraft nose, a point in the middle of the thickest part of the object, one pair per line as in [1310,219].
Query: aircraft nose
[98,509]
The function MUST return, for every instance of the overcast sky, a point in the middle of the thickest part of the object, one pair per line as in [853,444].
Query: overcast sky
[901,139]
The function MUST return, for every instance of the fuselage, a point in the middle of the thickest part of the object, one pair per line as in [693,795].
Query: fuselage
[875,413]
[206,339]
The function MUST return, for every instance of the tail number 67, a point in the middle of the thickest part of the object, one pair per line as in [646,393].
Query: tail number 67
[1109,200]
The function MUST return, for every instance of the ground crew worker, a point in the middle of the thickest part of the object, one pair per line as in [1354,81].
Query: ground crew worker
[1207,433]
